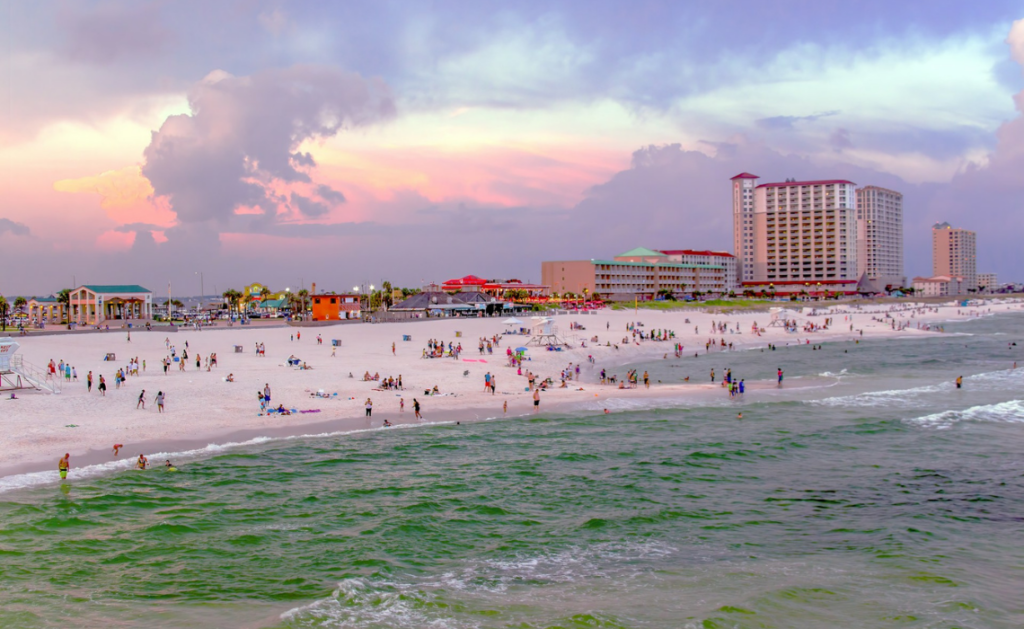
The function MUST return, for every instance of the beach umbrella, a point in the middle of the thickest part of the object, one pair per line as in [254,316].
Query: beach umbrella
[512,321]
[520,349]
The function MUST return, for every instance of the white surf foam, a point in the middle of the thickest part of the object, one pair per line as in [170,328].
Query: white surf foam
[1011,411]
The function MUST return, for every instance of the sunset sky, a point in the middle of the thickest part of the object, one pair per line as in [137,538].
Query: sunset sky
[347,142]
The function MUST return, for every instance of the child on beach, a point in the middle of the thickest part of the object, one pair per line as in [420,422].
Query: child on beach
[160,401]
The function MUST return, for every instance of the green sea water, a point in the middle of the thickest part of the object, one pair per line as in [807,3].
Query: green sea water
[869,492]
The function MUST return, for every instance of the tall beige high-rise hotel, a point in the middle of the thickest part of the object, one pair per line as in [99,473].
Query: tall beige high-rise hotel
[825,235]
[954,254]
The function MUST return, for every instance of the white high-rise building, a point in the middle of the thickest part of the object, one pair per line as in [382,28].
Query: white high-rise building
[880,237]
[743,186]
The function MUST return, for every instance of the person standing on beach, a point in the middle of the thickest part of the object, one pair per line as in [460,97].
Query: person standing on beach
[369,407]
[102,388]
[780,374]
[393,349]
[416,408]
[401,405]
[64,465]
[88,382]
[142,401]
[647,381]
[504,408]
[536,400]
[494,384]
[160,401]
[266,393]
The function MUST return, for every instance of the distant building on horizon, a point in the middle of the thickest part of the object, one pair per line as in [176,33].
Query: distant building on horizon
[988,282]
[939,286]
[880,238]
[954,254]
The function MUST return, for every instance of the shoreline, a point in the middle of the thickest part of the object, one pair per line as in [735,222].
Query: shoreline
[205,414]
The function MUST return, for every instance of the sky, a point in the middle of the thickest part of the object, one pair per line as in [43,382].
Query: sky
[216,144]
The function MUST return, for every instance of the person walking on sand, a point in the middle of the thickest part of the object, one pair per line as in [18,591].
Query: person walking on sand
[369,407]
[142,401]
[401,405]
[64,465]
[416,408]
[102,388]
[88,382]
[536,400]
[393,349]
[266,393]
[160,401]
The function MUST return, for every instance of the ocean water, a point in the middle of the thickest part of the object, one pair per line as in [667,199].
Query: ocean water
[868,492]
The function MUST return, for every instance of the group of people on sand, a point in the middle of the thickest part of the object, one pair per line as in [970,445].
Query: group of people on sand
[436,349]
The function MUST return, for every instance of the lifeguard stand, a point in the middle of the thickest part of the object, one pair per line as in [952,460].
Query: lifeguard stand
[15,374]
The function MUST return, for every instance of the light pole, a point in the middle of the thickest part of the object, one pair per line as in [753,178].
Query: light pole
[202,289]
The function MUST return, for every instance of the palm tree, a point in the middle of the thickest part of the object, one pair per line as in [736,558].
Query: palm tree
[387,293]
[232,297]
[303,294]
[20,303]
[64,299]
[4,309]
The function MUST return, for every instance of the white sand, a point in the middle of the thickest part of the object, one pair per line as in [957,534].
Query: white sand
[202,408]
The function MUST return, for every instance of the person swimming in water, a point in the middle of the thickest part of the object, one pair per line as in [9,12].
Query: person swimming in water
[170,466]
[142,463]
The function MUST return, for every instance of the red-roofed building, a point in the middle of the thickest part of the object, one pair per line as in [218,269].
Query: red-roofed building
[497,288]
[801,184]
[744,176]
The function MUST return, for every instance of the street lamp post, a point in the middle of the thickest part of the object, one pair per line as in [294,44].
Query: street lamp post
[202,290]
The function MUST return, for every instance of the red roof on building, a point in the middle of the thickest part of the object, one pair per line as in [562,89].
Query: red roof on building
[470,280]
[692,252]
[745,176]
[783,184]
[790,283]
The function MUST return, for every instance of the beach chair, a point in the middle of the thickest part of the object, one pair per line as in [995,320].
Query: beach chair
[110,356]
[238,349]
[335,342]
[407,337]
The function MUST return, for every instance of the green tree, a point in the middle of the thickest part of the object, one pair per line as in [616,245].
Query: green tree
[5,308]
[64,299]
[303,298]
[20,303]
[388,293]
[233,298]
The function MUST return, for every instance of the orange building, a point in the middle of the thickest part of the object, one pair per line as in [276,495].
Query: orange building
[335,307]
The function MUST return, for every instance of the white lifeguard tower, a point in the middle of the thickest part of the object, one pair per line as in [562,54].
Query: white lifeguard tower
[16,375]
[545,333]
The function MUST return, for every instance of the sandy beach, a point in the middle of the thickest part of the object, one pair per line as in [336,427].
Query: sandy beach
[204,412]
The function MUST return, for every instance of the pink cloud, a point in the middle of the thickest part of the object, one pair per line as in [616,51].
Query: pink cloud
[115,241]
